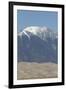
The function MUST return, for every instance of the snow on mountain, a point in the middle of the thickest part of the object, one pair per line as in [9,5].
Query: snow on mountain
[41,32]
[37,44]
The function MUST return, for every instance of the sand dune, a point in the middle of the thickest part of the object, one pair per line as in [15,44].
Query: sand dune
[26,70]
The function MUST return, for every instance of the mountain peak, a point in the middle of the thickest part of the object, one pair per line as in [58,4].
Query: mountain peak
[32,29]
[37,44]
[36,29]
[41,32]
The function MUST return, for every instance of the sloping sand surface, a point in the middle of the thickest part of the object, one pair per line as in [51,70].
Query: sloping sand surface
[26,70]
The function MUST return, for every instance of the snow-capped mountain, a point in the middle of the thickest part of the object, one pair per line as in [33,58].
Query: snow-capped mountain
[37,44]
[41,32]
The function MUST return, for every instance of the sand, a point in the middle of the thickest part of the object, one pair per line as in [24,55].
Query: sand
[27,70]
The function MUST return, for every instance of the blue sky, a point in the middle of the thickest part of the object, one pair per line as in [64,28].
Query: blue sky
[26,18]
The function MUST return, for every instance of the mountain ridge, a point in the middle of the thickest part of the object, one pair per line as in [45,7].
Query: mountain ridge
[39,31]
[36,45]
